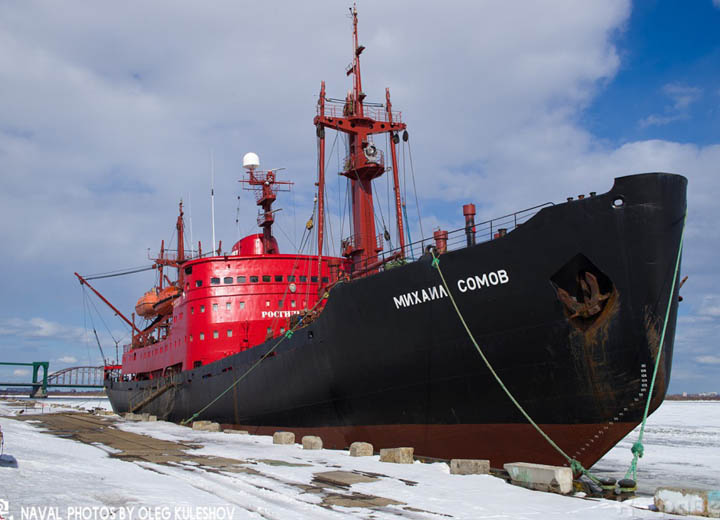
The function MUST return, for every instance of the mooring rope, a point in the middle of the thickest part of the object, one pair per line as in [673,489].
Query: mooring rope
[287,335]
[637,448]
[575,465]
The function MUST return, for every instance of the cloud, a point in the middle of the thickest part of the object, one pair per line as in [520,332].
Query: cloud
[21,372]
[40,328]
[708,360]
[716,3]
[67,359]
[681,96]
[710,306]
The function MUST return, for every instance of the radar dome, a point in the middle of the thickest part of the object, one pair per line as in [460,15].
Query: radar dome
[251,161]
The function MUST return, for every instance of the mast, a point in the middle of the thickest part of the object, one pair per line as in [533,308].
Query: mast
[265,185]
[364,162]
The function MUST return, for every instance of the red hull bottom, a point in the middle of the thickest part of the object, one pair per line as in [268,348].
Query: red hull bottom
[500,443]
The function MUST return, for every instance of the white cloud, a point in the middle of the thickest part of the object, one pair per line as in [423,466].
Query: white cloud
[67,359]
[710,306]
[21,372]
[681,96]
[708,360]
[40,328]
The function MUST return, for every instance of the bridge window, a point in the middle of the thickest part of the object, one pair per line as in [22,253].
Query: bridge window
[240,279]
[228,279]
[202,336]
[303,278]
[313,279]
[325,279]
[215,306]
[267,303]
[216,335]
[188,270]
[198,283]
[266,278]
[214,280]
[253,279]
[229,333]
[278,278]
[269,331]
[291,278]
[227,306]
[202,308]
[242,305]
[192,310]
[282,330]
[280,304]
[190,337]
[292,303]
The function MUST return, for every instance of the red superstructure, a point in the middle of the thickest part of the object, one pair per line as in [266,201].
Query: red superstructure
[229,302]
[223,304]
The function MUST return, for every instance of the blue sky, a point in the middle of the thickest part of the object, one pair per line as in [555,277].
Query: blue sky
[666,86]
[109,112]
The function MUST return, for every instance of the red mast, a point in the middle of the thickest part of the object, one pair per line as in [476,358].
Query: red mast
[363,164]
[263,183]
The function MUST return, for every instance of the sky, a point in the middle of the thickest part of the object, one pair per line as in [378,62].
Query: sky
[110,112]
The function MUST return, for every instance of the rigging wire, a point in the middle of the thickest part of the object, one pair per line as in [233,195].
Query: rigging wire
[417,205]
[111,274]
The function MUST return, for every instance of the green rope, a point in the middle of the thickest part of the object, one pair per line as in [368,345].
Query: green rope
[637,448]
[575,465]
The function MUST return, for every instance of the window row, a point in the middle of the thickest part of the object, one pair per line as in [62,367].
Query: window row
[229,333]
[228,306]
[265,278]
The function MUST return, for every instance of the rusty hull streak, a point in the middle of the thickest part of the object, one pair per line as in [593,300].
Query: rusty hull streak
[590,356]
[652,332]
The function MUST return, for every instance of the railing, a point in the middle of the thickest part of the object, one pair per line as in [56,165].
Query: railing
[352,242]
[378,113]
[458,238]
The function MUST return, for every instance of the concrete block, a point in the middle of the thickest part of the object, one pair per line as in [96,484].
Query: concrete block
[206,426]
[397,455]
[688,501]
[343,478]
[129,416]
[361,449]
[469,467]
[542,477]
[152,418]
[283,438]
[311,442]
[239,432]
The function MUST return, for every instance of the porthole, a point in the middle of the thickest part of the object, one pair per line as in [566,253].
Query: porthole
[618,202]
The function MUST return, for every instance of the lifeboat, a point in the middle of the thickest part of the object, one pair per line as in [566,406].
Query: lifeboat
[145,305]
[163,304]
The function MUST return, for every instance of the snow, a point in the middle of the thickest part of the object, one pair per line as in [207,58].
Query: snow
[681,448]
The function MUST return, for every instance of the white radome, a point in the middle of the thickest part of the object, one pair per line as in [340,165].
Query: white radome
[251,161]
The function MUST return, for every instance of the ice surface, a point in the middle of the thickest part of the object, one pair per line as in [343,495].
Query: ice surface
[681,446]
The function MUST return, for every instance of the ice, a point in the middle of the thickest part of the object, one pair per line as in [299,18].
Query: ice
[681,446]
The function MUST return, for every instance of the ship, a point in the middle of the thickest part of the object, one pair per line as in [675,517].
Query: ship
[571,303]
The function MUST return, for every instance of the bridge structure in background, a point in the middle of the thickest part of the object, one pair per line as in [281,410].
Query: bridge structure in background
[73,377]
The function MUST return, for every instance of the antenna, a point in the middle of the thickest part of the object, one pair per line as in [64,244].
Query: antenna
[190,218]
[212,196]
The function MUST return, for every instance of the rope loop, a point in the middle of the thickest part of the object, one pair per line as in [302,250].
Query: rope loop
[289,334]
[638,449]
[436,262]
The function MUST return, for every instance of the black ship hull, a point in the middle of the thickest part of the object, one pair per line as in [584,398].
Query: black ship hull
[388,361]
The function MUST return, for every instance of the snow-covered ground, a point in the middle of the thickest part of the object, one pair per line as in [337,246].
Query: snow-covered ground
[681,443]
